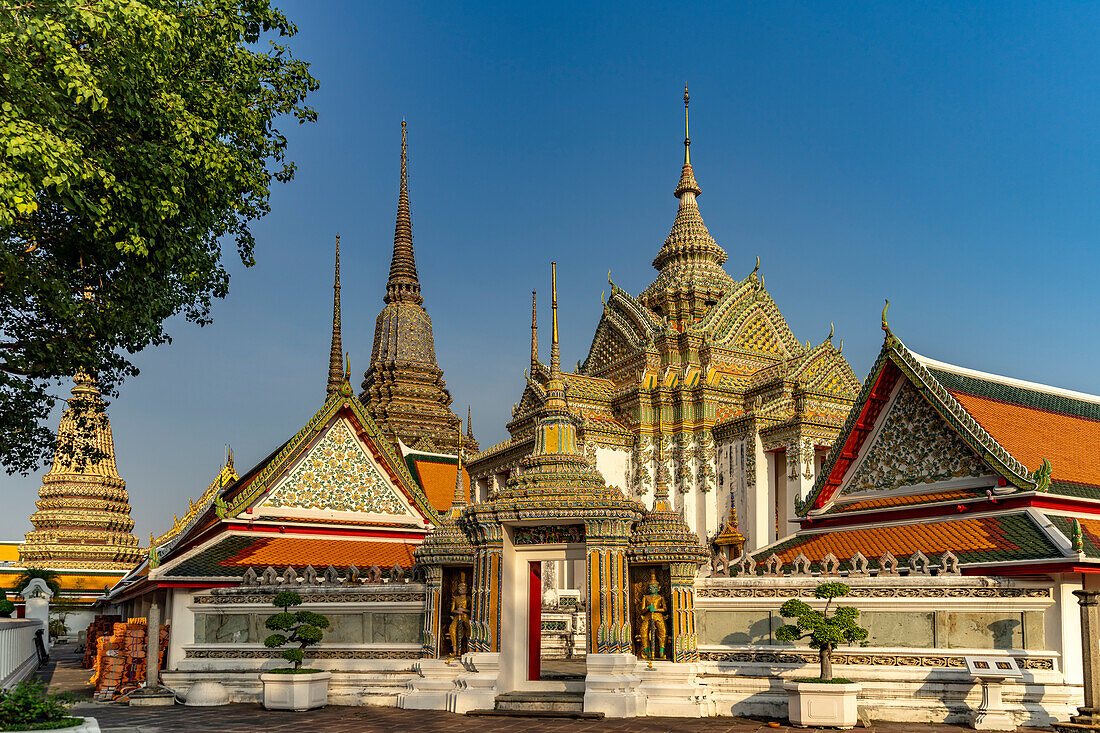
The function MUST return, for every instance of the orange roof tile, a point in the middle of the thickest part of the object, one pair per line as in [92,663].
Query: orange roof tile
[438,481]
[320,553]
[892,501]
[981,539]
[1071,443]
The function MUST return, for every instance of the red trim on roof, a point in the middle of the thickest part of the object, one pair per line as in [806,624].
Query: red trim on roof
[1066,566]
[868,414]
[948,509]
[288,529]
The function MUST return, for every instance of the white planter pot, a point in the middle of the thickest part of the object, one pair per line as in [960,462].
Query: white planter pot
[814,704]
[88,726]
[295,691]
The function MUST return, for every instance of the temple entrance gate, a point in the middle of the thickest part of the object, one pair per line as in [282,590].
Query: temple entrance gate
[556,506]
[521,611]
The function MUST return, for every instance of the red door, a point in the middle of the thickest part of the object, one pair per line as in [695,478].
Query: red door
[534,616]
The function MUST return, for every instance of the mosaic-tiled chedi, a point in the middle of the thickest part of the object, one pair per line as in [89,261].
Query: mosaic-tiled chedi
[403,388]
[699,382]
[83,518]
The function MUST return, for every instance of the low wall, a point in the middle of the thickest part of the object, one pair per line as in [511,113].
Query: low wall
[18,656]
[912,669]
[370,646]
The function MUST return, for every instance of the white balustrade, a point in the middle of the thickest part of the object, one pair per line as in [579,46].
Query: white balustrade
[18,657]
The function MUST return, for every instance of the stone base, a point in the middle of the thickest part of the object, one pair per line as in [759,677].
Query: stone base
[674,690]
[151,697]
[476,688]
[295,691]
[611,687]
[992,720]
[821,704]
[429,690]
[206,693]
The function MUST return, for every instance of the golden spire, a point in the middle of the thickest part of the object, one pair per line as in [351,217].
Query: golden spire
[687,134]
[534,333]
[459,499]
[403,285]
[469,422]
[335,368]
[687,176]
[555,360]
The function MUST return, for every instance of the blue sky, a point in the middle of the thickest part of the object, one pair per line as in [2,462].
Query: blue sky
[941,155]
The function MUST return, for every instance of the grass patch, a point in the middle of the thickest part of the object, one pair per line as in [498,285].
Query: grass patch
[291,670]
[818,680]
[48,725]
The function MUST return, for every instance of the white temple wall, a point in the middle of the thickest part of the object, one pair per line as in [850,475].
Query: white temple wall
[614,465]
[921,627]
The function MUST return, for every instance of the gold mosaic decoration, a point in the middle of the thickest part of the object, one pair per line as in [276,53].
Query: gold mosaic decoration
[337,475]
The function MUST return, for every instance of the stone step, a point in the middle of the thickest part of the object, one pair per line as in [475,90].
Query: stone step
[536,714]
[535,704]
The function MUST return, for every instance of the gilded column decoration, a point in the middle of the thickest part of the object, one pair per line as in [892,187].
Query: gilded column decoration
[609,630]
[704,459]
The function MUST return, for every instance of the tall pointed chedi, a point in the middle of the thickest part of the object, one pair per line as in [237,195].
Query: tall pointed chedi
[691,278]
[83,518]
[403,388]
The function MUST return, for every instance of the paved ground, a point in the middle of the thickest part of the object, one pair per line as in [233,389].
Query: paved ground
[64,674]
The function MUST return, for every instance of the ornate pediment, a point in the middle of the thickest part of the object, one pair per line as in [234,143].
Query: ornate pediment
[913,445]
[338,474]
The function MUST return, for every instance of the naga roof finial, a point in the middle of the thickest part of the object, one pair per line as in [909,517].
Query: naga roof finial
[335,376]
[830,336]
[885,325]
[347,376]
[756,269]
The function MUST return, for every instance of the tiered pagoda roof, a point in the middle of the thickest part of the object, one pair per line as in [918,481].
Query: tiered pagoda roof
[403,387]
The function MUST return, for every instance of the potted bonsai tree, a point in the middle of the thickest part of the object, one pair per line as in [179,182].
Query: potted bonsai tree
[295,687]
[826,700]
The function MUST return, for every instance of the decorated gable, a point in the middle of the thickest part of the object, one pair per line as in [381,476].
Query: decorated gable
[337,475]
[913,445]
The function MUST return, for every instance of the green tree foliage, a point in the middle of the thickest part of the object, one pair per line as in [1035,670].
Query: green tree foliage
[51,578]
[7,608]
[303,628]
[135,137]
[823,631]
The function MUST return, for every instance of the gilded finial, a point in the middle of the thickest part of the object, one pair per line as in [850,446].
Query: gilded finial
[469,422]
[885,325]
[603,298]
[830,336]
[840,350]
[687,135]
[534,332]
[347,376]
[555,360]
[229,456]
[756,269]
[609,278]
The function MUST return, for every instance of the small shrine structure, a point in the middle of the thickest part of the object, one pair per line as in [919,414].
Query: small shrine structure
[640,567]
